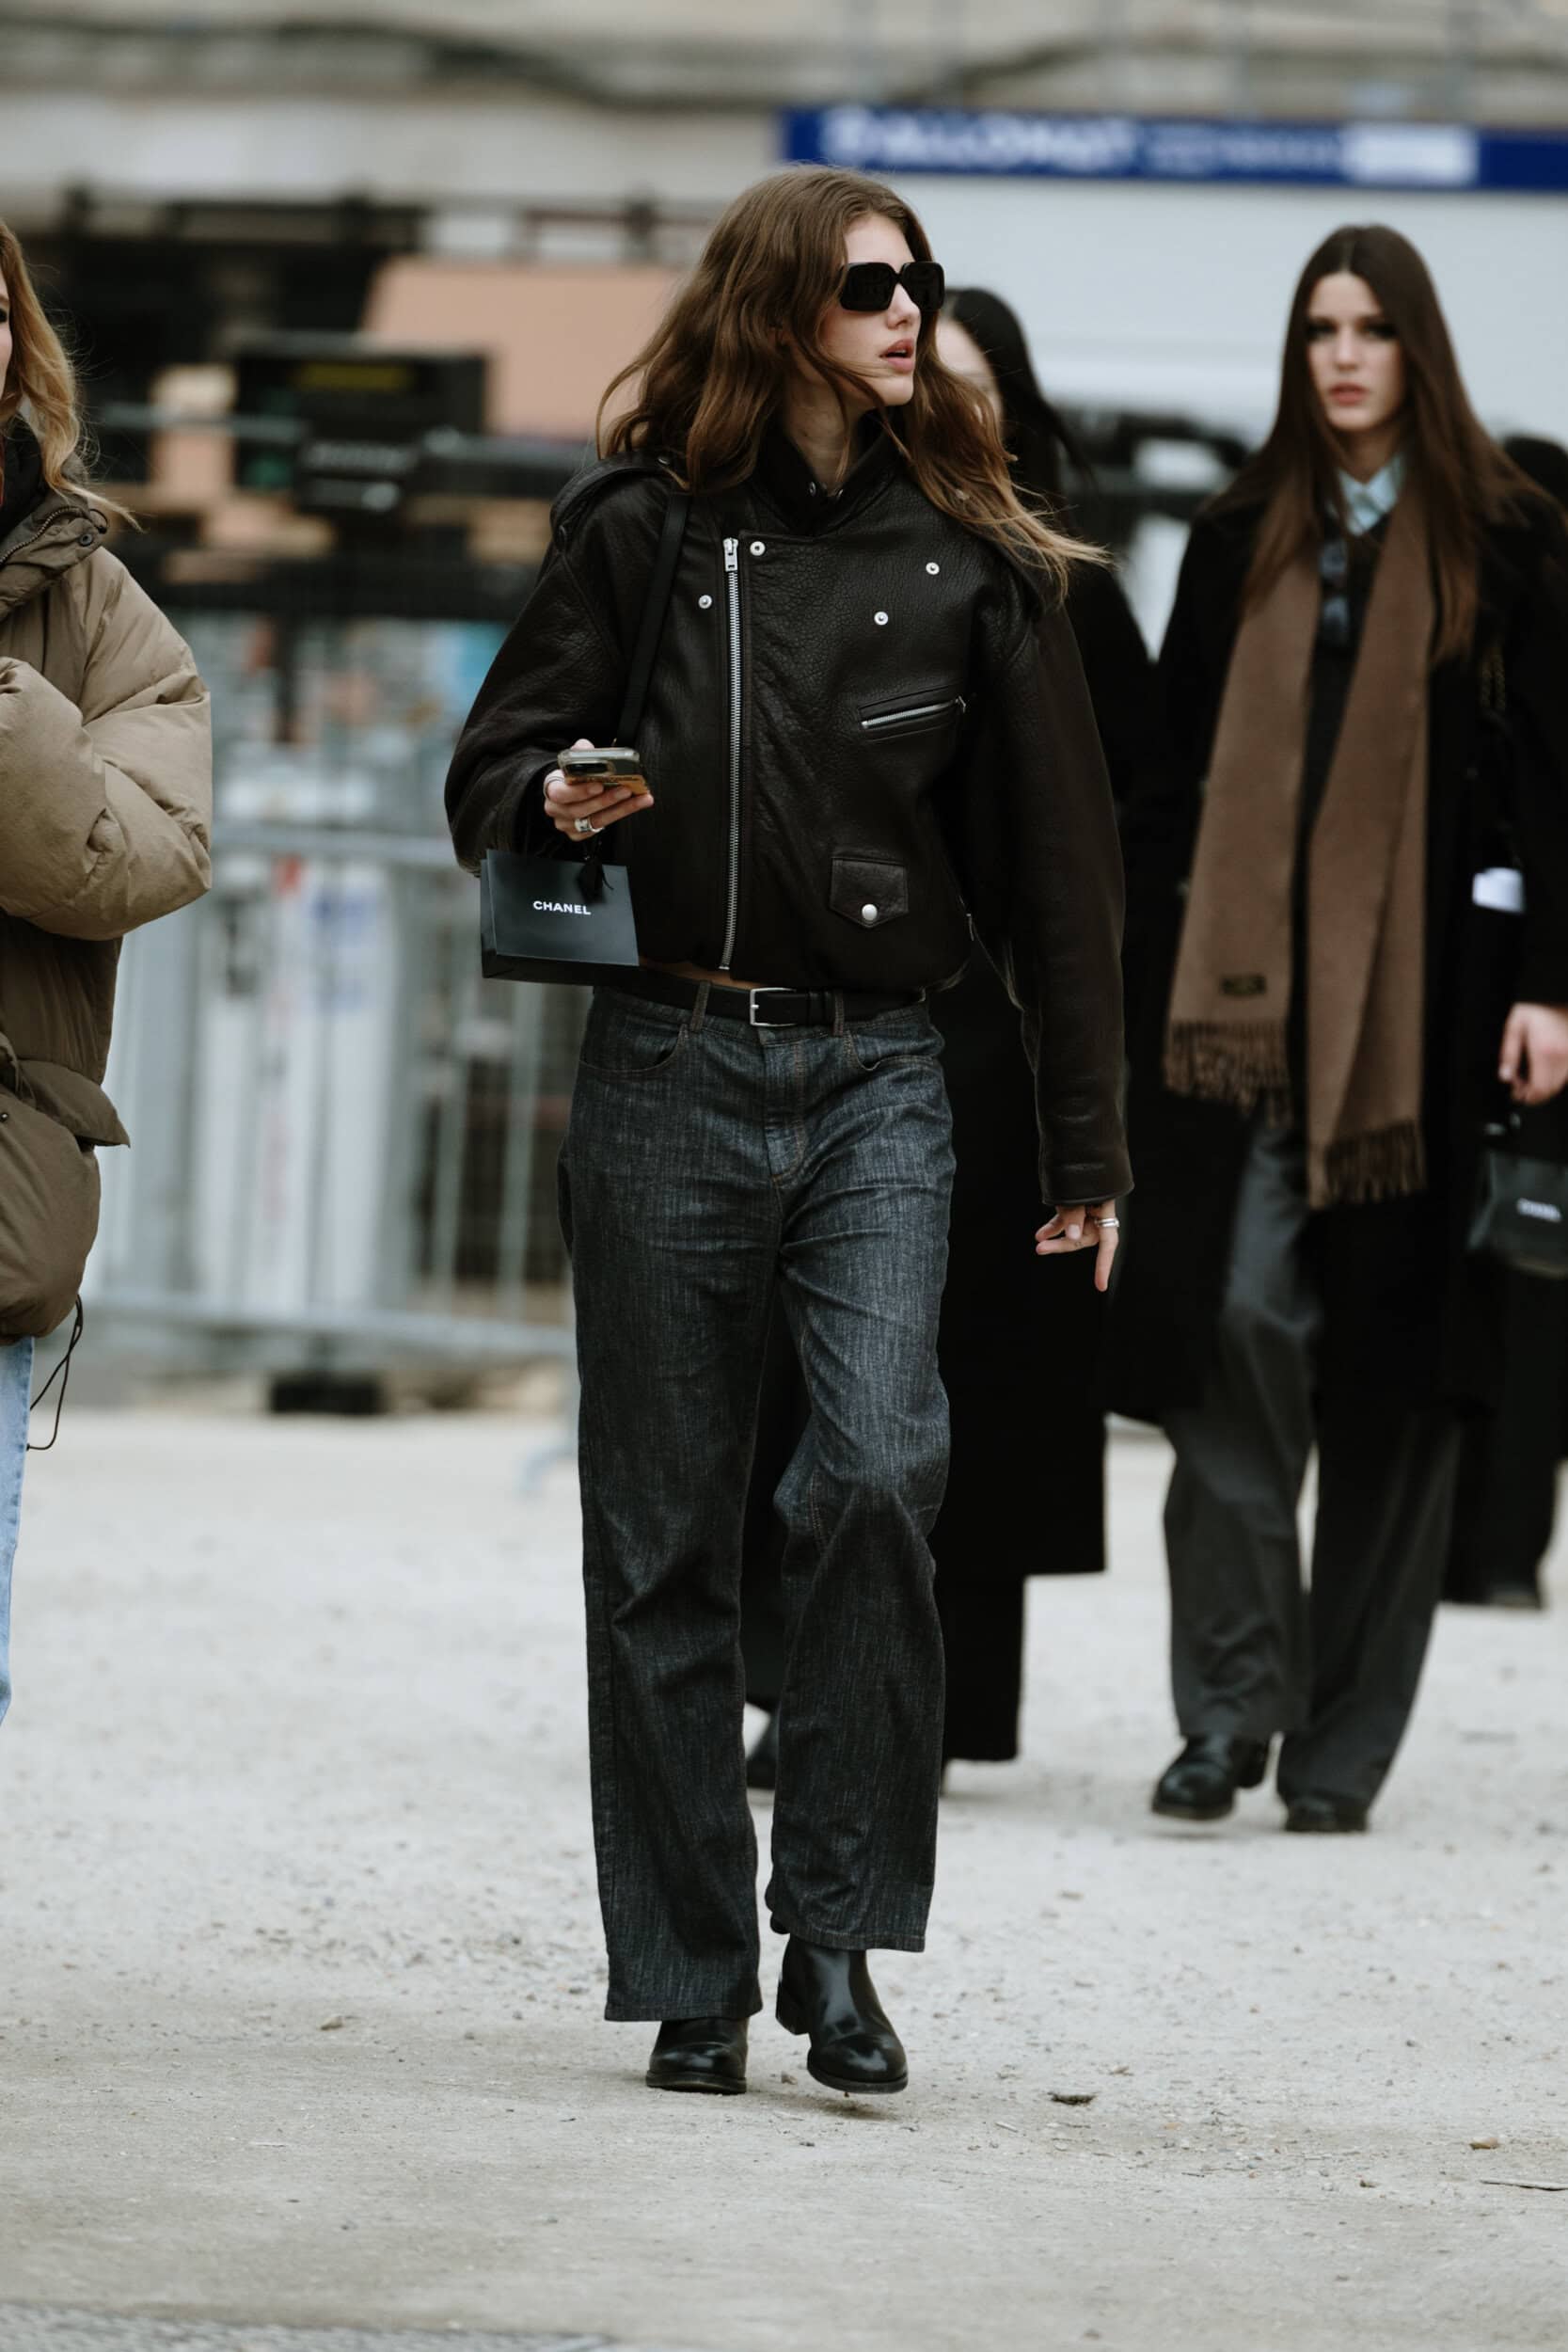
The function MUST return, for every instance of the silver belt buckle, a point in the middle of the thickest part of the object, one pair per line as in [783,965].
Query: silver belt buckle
[756,1020]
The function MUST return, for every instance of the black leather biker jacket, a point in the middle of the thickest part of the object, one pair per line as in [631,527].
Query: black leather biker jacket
[866,744]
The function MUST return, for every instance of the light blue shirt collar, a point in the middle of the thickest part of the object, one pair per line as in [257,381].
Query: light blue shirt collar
[1367,502]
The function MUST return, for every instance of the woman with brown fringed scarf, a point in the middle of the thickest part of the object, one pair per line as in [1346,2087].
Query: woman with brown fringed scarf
[1348,933]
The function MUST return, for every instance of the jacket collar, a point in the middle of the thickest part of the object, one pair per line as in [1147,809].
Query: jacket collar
[44,532]
[785,479]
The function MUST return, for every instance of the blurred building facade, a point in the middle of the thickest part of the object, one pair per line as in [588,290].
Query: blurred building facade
[260,162]
[346,283]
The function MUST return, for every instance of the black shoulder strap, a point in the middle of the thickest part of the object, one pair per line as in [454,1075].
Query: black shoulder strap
[672,534]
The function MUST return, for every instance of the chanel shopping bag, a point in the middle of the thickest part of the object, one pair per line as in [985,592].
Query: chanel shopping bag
[565,919]
[552,918]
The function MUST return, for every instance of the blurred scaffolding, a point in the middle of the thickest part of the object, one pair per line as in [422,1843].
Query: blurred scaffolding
[346,1139]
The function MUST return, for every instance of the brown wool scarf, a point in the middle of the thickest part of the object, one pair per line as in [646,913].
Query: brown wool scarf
[1366,890]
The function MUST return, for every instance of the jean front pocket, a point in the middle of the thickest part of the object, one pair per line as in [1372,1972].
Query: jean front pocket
[623,1042]
[897,1037]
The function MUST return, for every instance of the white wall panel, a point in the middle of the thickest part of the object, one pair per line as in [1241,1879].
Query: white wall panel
[1158,296]
[410,150]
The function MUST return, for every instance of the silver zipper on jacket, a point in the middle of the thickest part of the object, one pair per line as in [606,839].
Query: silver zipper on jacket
[732,597]
[920,711]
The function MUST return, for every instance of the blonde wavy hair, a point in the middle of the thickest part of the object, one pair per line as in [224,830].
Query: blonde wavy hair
[42,384]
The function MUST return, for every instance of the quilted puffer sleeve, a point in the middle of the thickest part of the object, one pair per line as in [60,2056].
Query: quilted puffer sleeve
[106,808]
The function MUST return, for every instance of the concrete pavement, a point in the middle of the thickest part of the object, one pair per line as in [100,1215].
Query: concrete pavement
[300,1976]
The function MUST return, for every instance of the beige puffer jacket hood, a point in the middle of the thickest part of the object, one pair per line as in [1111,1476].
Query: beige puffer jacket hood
[105,806]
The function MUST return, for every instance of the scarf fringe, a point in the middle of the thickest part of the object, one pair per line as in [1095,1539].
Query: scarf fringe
[1382,1166]
[1240,1063]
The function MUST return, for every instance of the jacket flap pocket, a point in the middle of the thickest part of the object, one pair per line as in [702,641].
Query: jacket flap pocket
[75,1103]
[868,892]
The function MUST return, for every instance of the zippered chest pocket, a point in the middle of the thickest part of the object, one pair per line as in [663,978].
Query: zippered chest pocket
[916,712]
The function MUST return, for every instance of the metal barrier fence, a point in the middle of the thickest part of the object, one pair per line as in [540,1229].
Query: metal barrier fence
[344,1138]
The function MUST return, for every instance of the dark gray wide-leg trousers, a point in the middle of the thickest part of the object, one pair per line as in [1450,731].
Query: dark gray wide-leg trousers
[1335,1669]
[708,1168]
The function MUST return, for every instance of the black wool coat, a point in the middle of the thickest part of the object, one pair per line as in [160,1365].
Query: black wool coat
[1022,1336]
[1405,1307]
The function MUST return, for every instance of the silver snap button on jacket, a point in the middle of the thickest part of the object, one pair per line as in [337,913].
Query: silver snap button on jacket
[703,603]
[881,619]
[933,569]
[759,546]
[869,912]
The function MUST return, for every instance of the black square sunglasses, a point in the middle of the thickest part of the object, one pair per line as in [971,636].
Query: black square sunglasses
[868,285]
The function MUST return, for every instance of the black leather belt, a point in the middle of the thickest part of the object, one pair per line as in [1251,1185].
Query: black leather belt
[769,1008]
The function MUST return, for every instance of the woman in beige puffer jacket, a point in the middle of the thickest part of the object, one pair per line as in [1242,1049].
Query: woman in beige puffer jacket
[105,798]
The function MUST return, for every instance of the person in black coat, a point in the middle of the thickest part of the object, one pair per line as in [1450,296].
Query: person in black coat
[1319,1012]
[1507,1502]
[1015,1353]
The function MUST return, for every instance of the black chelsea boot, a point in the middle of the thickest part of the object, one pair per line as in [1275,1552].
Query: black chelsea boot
[1201,1784]
[699,2054]
[831,1996]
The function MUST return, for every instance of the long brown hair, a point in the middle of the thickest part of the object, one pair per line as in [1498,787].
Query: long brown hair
[1463,477]
[41,384]
[712,377]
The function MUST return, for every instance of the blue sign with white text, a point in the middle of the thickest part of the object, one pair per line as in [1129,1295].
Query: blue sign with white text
[1436,157]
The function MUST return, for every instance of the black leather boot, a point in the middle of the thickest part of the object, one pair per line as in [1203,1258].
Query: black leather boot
[831,1996]
[1201,1784]
[1317,1813]
[699,2054]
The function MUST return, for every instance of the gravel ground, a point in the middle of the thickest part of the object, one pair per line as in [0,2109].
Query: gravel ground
[300,1977]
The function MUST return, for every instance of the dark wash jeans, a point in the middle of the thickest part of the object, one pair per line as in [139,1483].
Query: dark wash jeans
[709,1166]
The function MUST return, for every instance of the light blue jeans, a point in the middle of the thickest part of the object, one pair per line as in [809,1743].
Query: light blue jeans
[16,1379]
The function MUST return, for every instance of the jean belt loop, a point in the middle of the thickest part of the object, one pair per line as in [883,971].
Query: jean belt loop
[838,1013]
[699,1011]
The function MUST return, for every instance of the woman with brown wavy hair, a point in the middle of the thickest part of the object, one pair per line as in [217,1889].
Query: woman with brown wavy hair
[104,797]
[1352,911]
[866,738]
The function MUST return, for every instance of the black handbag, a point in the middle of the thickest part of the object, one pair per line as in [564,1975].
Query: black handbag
[1521,1210]
[569,919]
[1521,1214]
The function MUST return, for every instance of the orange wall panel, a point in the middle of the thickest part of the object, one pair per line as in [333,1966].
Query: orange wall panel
[555,333]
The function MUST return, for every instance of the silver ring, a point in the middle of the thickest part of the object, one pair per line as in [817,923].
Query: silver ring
[1109,1224]
[583,824]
